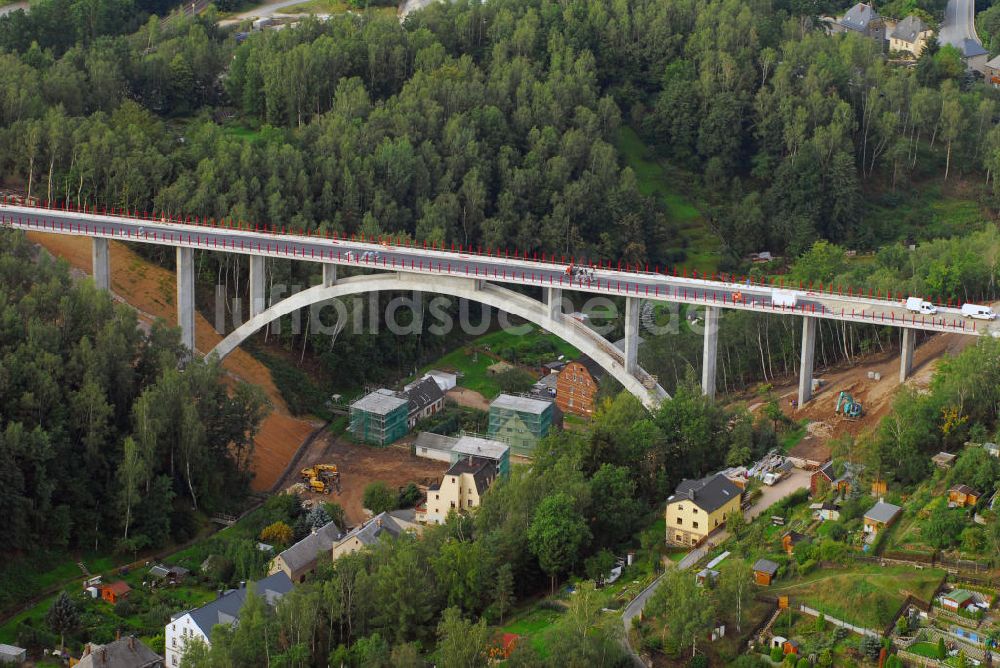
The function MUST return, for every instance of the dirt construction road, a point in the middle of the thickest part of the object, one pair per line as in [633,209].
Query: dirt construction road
[360,465]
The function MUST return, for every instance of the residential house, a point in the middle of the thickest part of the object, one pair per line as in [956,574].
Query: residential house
[973,54]
[706,575]
[434,446]
[461,489]
[958,599]
[792,538]
[880,516]
[699,507]
[379,418]
[426,399]
[910,35]
[122,653]
[300,559]
[962,496]
[113,592]
[393,523]
[943,460]
[12,654]
[484,448]
[577,386]
[764,571]
[521,421]
[862,19]
[168,574]
[198,623]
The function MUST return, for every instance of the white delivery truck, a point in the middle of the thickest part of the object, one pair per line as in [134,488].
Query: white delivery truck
[977,311]
[918,305]
[784,298]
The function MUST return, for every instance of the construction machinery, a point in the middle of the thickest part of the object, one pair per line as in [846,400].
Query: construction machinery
[321,478]
[848,407]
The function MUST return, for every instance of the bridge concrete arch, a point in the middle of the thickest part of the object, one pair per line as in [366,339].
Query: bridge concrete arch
[605,354]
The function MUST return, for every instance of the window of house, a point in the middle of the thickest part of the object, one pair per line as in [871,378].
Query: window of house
[452,504]
[681,508]
[680,521]
[716,522]
[680,538]
[437,497]
[694,510]
[174,660]
[694,524]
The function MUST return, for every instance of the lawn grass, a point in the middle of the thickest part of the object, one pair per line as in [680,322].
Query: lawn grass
[23,577]
[474,366]
[927,649]
[698,244]
[533,625]
[836,592]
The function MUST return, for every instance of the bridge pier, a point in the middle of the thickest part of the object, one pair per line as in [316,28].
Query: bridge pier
[329,274]
[553,297]
[806,364]
[185,296]
[711,349]
[631,334]
[258,301]
[906,353]
[102,263]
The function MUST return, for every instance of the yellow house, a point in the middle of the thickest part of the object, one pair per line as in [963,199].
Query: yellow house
[911,35]
[461,489]
[300,559]
[699,507]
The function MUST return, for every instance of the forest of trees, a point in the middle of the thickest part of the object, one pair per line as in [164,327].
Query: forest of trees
[109,440]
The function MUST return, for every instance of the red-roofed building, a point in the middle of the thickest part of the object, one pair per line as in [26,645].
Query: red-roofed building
[115,591]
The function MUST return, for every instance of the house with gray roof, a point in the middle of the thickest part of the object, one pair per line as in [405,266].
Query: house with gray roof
[393,523]
[198,623]
[434,446]
[910,35]
[122,653]
[880,516]
[426,399]
[300,559]
[862,19]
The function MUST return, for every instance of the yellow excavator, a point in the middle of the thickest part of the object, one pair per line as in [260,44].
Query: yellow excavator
[321,477]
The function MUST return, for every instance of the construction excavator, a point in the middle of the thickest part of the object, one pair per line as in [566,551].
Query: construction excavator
[321,478]
[848,407]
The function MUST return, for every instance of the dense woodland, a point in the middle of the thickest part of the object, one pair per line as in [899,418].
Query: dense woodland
[109,440]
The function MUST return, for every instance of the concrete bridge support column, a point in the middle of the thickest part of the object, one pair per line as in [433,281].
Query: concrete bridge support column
[185,296]
[258,301]
[102,263]
[329,274]
[631,334]
[710,355]
[906,353]
[553,297]
[806,365]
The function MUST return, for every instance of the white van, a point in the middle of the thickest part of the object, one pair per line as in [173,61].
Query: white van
[977,311]
[918,305]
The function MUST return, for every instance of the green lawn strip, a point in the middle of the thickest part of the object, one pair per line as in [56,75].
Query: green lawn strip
[927,649]
[533,625]
[837,592]
[701,247]
[793,436]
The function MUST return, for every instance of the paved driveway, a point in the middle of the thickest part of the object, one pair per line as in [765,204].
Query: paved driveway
[796,480]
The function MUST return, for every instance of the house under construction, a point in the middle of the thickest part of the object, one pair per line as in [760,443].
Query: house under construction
[379,418]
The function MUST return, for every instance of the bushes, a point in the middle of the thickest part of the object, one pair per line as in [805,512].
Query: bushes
[776,654]
[807,566]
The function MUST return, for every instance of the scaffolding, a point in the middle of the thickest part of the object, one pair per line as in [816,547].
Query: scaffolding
[520,421]
[379,418]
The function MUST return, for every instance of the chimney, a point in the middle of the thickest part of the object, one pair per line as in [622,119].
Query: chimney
[691,494]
